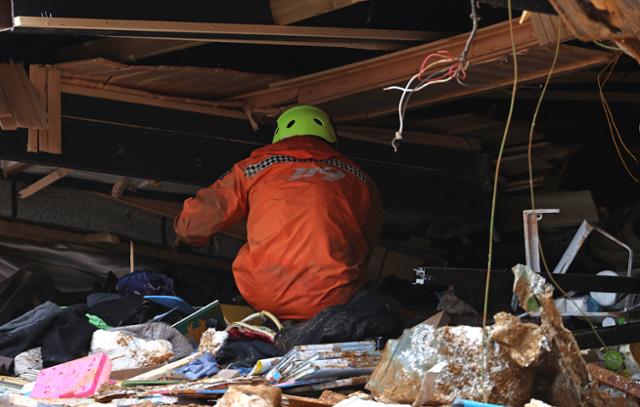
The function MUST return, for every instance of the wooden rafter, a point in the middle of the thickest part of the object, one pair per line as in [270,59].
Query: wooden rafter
[98,90]
[491,43]
[44,182]
[373,39]
[288,12]
[125,49]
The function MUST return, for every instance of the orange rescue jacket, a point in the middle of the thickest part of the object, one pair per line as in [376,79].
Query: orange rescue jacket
[312,219]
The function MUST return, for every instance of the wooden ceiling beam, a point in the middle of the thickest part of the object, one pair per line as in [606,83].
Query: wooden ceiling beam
[289,12]
[579,59]
[371,39]
[491,43]
[98,90]
[125,49]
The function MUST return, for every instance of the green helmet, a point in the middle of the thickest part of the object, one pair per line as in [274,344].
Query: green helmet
[304,120]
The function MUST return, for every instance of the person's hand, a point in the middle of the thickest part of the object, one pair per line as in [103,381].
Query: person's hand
[179,245]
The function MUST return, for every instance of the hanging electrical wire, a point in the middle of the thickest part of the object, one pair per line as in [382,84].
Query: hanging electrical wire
[454,68]
[505,135]
[534,119]
[616,136]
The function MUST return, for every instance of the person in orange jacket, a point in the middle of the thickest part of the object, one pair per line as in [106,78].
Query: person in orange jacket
[313,218]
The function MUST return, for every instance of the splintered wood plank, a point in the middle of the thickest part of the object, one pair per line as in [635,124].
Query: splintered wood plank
[54,110]
[38,77]
[119,187]
[126,49]
[287,11]
[16,168]
[614,380]
[34,108]
[44,182]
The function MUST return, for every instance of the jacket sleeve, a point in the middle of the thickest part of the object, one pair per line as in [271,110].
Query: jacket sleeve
[212,209]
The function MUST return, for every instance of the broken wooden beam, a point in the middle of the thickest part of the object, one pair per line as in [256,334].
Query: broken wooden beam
[44,182]
[371,39]
[491,43]
[125,49]
[119,187]
[20,106]
[37,233]
[109,92]
[15,168]
[289,12]
[46,83]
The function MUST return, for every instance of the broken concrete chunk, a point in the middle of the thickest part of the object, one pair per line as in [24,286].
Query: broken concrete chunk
[251,396]
[523,341]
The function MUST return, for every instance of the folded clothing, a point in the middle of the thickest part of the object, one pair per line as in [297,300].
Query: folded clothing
[145,282]
[204,366]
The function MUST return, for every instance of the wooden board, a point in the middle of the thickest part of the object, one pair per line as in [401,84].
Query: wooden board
[38,77]
[373,39]
[125,49]
[16,168]
[44,182]
[53,143]
[26,107]
[288,12]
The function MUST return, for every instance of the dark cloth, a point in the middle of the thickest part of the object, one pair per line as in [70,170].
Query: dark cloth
[26,331]
[100,297]
[133,310]
[366,316]
[117,310]
[145,282]
[239,353]
[27,287]
[68,337]
[6,366]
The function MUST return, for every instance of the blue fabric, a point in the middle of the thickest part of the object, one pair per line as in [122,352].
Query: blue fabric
[145,282]
[204,366]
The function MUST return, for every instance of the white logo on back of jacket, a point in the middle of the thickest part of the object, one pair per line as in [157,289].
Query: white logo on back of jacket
[328,173]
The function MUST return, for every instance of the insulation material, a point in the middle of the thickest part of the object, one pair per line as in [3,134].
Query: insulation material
[452,357]
[128,352]
[525,342]
[251,396]
[211,340]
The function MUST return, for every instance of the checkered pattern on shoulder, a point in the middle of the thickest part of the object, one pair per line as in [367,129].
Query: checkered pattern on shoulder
[254,169]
